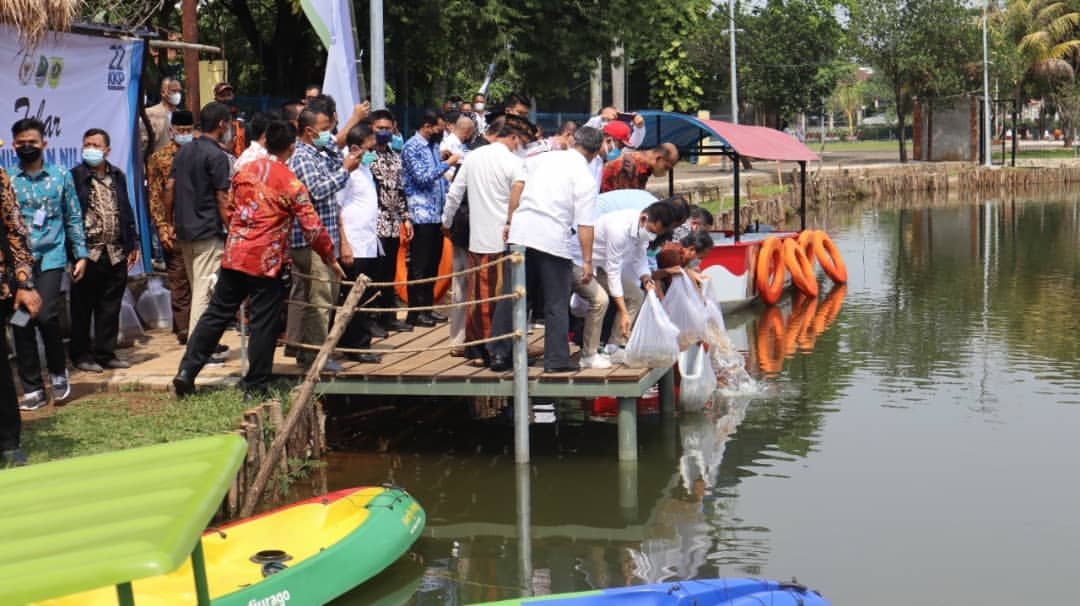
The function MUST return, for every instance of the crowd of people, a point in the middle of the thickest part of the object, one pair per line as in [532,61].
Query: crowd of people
[293,203]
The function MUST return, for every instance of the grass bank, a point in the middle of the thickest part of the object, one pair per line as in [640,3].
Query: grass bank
[118,421]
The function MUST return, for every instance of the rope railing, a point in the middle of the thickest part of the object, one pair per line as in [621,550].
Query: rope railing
[512,257]
[408,350]
[509,296]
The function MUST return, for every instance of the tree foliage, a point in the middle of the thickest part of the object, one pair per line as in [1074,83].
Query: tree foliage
[848,97]
[789,61]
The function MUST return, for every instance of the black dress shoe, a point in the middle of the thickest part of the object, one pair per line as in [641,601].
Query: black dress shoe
[220,349]
[396,325]
[364,358]
[501,363]
[562,369]
[437,317]
[422,320]
[184,384]
[375,330]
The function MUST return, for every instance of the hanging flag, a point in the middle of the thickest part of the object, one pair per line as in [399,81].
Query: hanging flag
[333,23]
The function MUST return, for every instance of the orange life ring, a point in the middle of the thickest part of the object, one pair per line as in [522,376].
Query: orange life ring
[829,258]
[830,308]
[806,242]
[446,266]
[797,335]
[769,273]
[800,268]
[769,345]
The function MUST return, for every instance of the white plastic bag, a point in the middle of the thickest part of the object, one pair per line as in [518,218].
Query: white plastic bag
[579,307]
[130,327]
[155,305]
[686,310]
[698,379]
[654,340]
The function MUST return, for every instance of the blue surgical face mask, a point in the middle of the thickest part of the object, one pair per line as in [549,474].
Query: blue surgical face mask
[368,158]
[184,139]
[397,142]
[324,139]
[92,156]
[613,154]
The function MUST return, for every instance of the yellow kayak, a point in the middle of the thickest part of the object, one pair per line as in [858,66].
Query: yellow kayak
[303,554]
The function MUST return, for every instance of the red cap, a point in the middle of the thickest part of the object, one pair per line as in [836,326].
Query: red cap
[618,130]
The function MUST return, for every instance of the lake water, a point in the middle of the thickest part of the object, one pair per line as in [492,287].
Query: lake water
[920,447]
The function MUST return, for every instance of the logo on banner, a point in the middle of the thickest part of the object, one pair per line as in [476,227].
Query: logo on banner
[117,77]
[41,70]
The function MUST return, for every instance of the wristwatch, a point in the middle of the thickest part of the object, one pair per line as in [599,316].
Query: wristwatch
[27,284]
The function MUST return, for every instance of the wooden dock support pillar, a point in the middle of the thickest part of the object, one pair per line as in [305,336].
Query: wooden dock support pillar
[521,360]
[667,392]
[627,429]
[628,490]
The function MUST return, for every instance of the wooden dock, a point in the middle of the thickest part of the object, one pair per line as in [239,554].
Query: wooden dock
[432,373]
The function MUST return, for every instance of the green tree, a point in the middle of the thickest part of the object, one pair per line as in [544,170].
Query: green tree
[788,60]
[848,97]
[925,48]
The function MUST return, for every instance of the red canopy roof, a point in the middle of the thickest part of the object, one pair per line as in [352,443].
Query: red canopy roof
[751,141]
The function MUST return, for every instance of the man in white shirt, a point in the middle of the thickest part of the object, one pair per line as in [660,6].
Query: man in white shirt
[610,114]
[461,131]
[360,247]
[554,221]
[620,242]
[256,149]
[493,177]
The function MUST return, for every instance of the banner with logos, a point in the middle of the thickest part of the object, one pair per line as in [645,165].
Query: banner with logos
[74,82]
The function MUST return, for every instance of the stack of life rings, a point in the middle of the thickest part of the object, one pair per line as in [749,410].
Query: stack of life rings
[796,256]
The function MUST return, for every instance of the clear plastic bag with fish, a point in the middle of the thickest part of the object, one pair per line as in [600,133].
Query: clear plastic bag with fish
[686,309]
[654,341]
[698,381]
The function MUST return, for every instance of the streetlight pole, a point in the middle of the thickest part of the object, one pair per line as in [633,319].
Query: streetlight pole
[734,74]
[988,160]
[378,73]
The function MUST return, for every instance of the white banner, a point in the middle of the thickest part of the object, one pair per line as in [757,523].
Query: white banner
[72,83]
[333,22]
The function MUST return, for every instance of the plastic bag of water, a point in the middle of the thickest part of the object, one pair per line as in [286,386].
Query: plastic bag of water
[155,305]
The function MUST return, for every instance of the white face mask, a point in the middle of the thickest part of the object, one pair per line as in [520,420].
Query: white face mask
[478,107]
[696,263]
[227,136]
[174,99]
[644,234]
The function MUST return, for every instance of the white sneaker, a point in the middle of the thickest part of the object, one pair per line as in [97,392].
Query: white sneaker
[61,388]
[618,356]
[598,361]
[33,401]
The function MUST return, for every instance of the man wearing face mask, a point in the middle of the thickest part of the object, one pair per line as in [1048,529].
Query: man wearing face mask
[632,169]
[269,199]
[50,208]
[394,223]
[493,177]
[158,169]
[235,141]
[324,173]
[616,136]
[610,115]
[197,198]
[112,242]
[620,241]
[425,190]
[479,107]
[160,114]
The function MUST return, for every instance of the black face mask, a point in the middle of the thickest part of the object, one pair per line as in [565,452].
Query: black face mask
[383,137]
[436,137]
[28,154]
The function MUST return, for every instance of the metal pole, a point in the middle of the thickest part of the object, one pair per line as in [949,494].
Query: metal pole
[667,392]
[524,521]
[190,29]
[198,569]
[124,595]
[1015,135]
[521,359]
[802,196]
[627,429]
[735,186]
[988,152]
[734,73]
[378,67]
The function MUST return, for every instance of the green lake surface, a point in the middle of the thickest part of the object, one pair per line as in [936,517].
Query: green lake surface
[922,446]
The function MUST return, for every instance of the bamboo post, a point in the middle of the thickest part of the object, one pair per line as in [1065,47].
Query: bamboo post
[304,395]
[277,421]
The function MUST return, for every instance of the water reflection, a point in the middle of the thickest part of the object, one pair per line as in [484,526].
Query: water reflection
[918,423]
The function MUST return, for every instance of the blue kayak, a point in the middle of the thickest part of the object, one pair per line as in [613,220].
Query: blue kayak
[701,592]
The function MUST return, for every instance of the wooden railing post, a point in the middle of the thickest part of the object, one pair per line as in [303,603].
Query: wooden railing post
[303,396]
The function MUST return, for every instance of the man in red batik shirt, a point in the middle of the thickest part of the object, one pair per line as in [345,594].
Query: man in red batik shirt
[266,196]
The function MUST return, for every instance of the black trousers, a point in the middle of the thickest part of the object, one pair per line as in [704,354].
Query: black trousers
[425,251]
[10,419]
[96,298]
[265,299]
[357,335]
[554,284]
[383,269]
[48,322]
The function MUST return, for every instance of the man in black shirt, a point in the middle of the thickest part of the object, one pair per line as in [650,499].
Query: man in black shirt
[197,197]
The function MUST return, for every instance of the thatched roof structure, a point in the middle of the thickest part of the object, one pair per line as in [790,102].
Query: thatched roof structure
[33,18]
